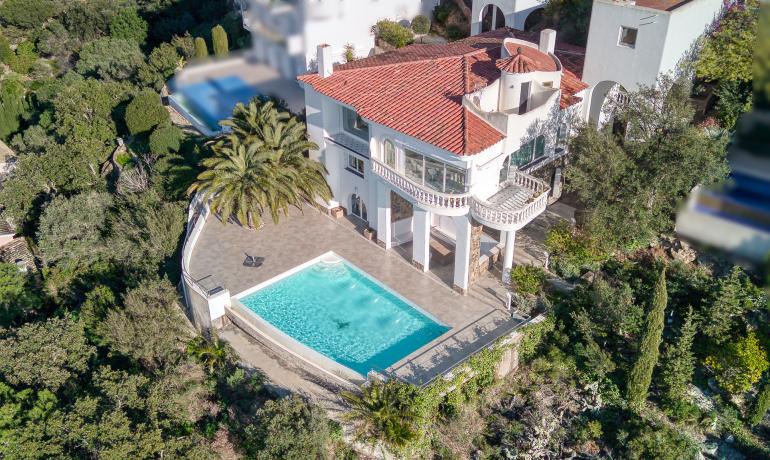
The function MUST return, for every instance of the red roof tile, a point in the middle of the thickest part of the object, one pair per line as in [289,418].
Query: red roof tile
[418,90]
[663,5]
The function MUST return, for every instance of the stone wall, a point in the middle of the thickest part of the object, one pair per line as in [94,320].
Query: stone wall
[475,268]
[400,208]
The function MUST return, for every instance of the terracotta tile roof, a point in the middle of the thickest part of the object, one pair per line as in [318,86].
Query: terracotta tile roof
[663,5]
[537,59]
[17,252]
[418,90]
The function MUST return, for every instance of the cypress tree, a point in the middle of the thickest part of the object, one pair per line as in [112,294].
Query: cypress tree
[678,362]
[761,404]
[201,50]
[641,374]
[219,41]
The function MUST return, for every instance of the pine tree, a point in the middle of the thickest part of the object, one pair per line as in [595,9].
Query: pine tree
[219,41]
[678,362]
[761,404]
[201,49]
[641,374]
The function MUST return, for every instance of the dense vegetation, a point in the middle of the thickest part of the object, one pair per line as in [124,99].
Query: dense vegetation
[96,357]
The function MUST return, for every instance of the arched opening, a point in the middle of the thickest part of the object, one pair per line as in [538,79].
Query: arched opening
[492,18]
[357,207]
[607,96]
[534,19]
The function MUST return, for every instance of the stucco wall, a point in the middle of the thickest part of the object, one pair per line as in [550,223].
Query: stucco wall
[606,60]
[687,24]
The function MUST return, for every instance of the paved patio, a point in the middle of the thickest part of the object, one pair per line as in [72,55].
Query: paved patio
[476,319]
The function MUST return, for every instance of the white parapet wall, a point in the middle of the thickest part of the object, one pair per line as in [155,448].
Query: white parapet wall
[205,307]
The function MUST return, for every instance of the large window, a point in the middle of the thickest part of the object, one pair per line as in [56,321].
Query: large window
[627,37]
[354,124]
[433,173]
[389,154]
[528,153]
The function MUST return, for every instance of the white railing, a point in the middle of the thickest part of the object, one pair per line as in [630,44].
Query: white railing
[423,195]
[513,219]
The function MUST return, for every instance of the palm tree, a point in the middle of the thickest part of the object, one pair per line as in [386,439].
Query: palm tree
[213,354]
[381,414]
[261,167]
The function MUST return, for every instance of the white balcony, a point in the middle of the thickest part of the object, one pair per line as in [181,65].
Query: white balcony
[520,199]
[448,204]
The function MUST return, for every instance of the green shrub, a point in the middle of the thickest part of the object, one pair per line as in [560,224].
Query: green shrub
[123,159]
[761,404]
[350,53]
[5,50]
[527,279]
[127,25]
[455,33]
[145,112]
[739,364]
[441,13]
[219,41]
[571,251]
[660,442]
[24,58]
[394,33]
[421,25]
[165,139]
[287,428]
[201,49]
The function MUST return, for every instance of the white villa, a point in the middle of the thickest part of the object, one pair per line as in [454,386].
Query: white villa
[429,143]
[285,33]
[441,153]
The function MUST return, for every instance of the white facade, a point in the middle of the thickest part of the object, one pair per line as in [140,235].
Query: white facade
[663,39]
[515,13]
[366,170]
[285,33]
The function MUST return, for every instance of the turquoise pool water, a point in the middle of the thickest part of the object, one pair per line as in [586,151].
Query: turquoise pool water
[213,100]
[342,313]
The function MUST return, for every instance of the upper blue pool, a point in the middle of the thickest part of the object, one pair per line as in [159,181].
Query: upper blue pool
[340,312]
[213,100]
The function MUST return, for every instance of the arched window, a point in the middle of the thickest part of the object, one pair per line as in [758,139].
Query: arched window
[389,154]
[357,207]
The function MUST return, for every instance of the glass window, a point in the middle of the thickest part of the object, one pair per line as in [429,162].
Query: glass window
[413,164]
[523,155]
[455,180]
[539,146]
[389,154]
[354,124]
[355,163]
[627,37]
[434,174]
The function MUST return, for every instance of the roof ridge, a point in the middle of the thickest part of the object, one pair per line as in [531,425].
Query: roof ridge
[416,60]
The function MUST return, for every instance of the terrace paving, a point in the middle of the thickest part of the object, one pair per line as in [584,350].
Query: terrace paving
[477,318]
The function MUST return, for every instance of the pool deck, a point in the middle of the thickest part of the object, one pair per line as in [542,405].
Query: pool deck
[476,319]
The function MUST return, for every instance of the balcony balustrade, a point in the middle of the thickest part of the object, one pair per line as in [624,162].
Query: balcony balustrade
[519,200]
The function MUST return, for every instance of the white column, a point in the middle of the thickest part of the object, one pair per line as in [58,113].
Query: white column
[462,252]
[510,241]
[383,216]
[421,239]
[494,17]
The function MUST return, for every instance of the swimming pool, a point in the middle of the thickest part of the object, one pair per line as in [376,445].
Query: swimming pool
[342,313]
[213,100]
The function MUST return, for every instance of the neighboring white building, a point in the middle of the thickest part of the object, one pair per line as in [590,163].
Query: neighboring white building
[428,143]
[502,13]
[630,43]
[285,33]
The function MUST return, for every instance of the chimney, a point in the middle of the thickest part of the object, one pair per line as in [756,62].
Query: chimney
[547,40]
[325,63]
